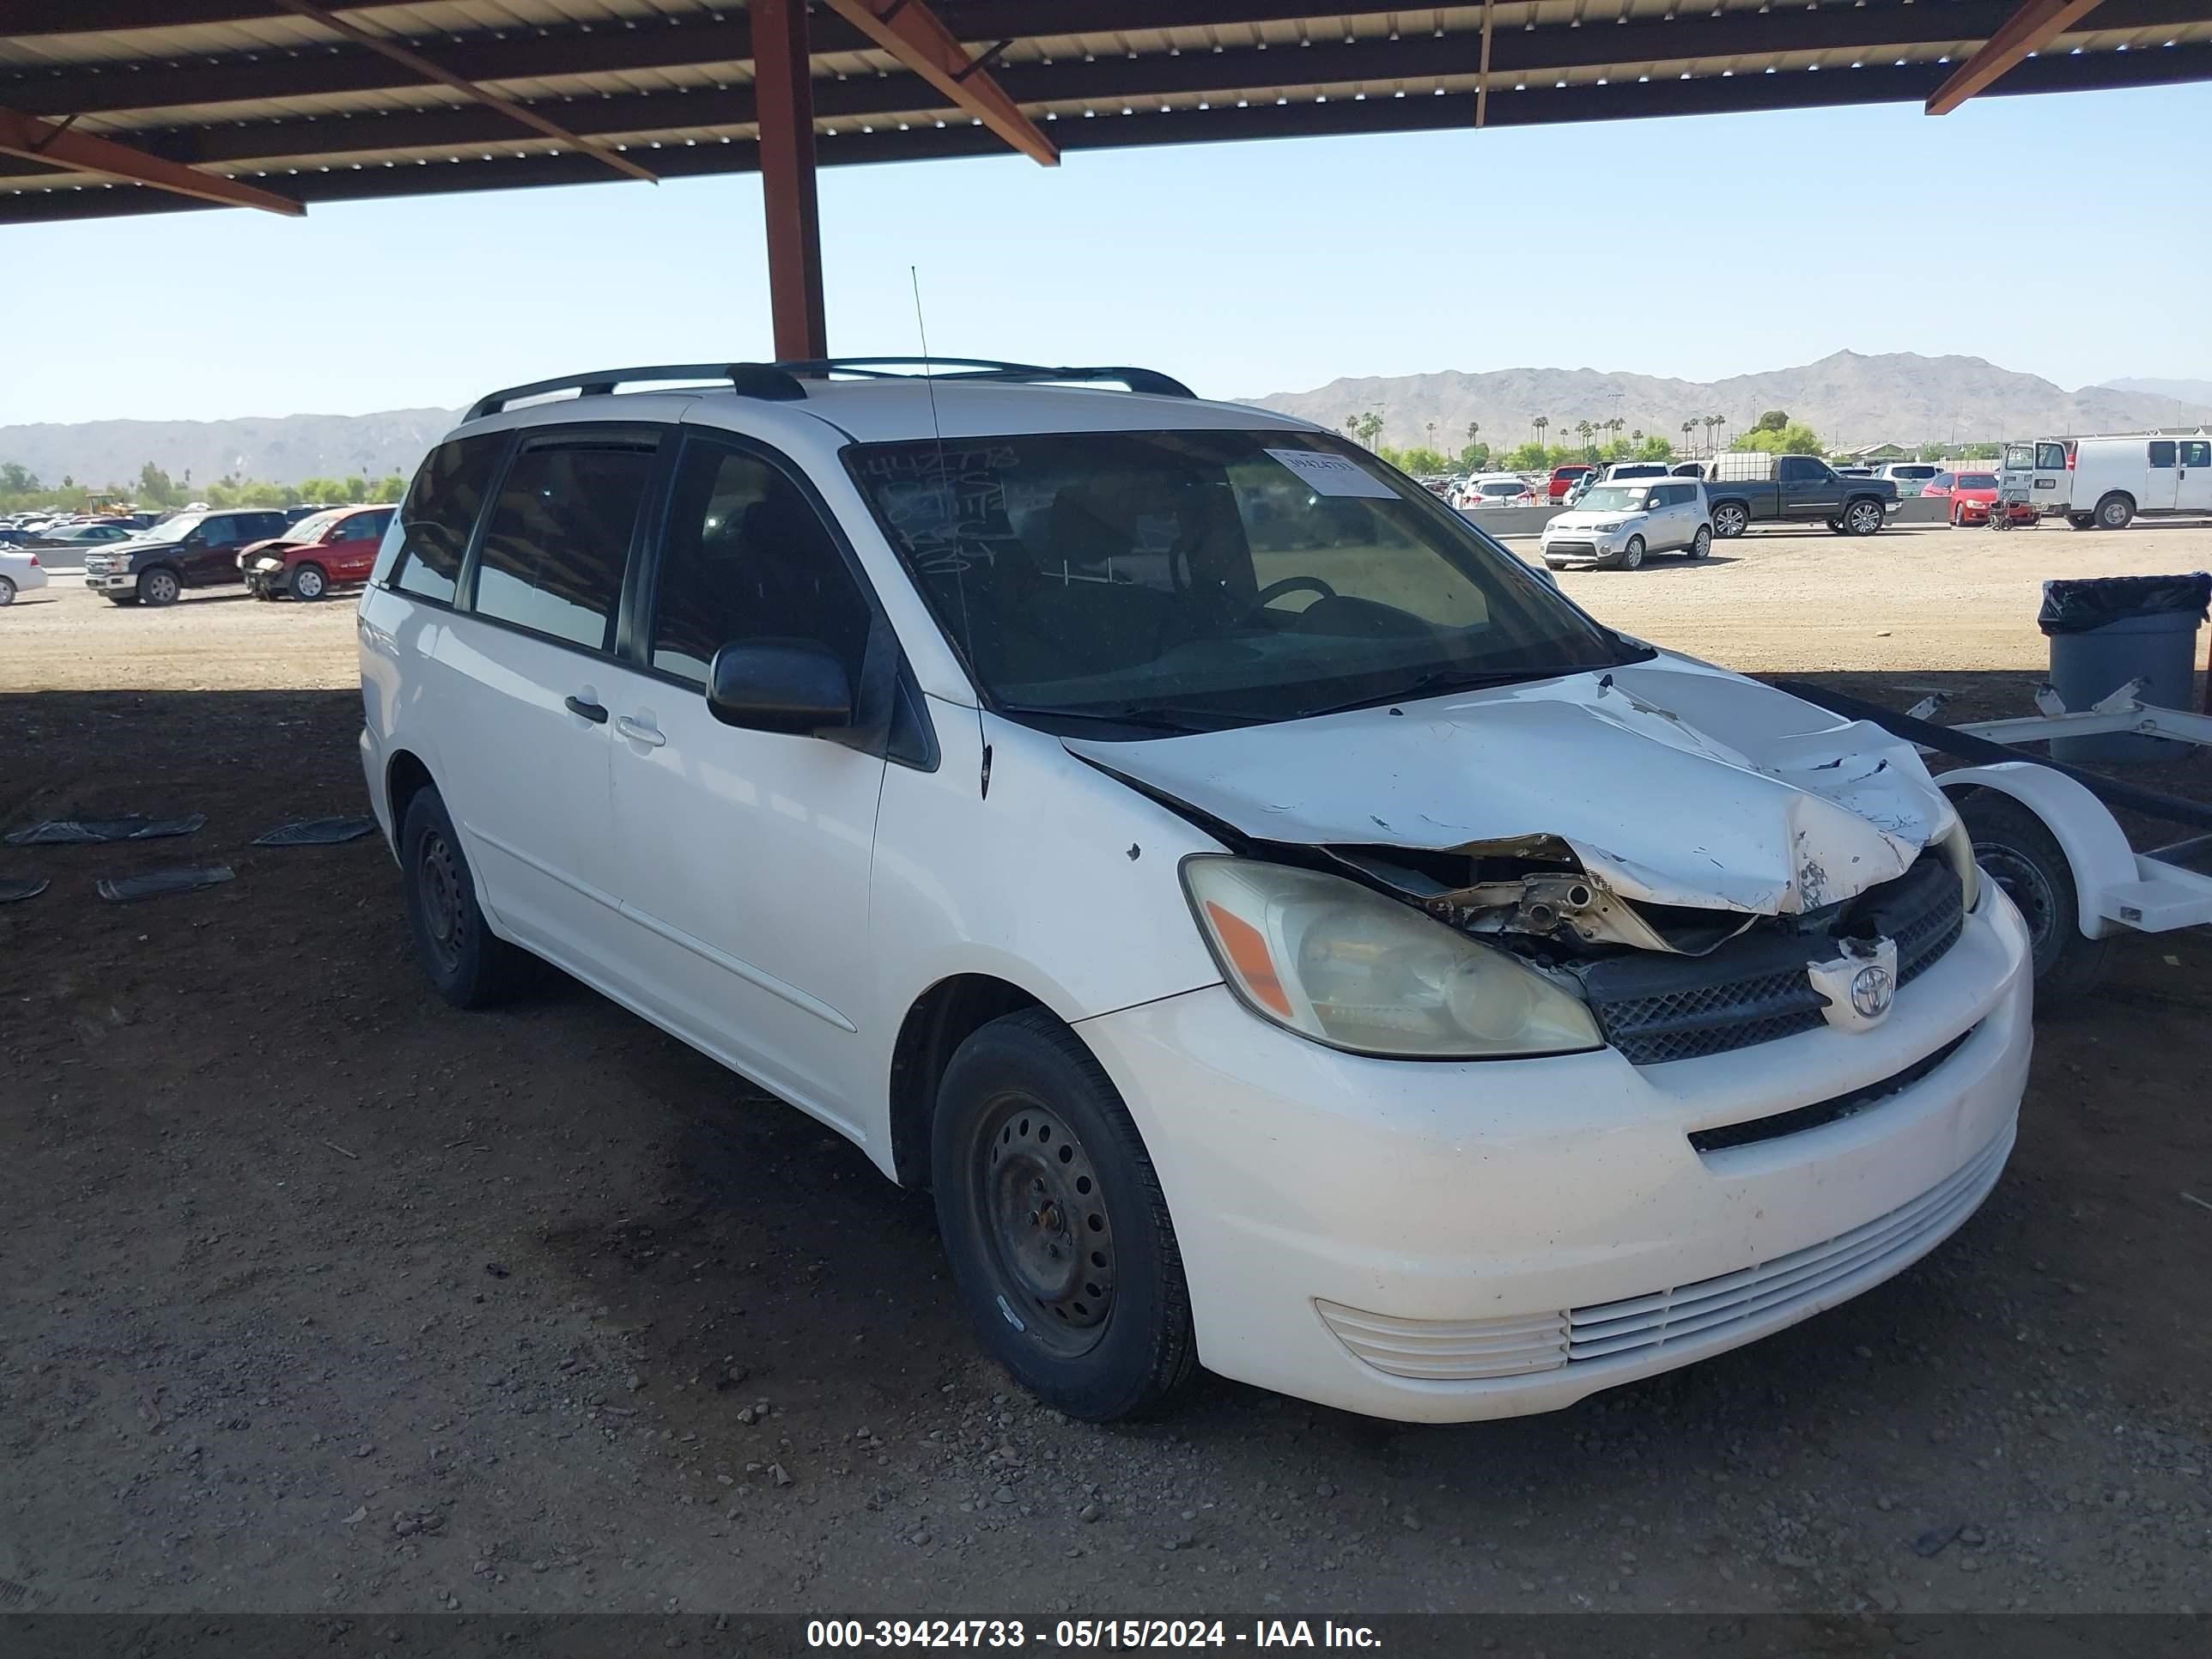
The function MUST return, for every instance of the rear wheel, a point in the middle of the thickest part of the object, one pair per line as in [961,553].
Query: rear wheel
[159,587]
[309,583]
[1701,545]
[2024,858]
[7,592]
[1863,518]
[1054,1223]
[467,963]
[1730,520]
[2115,512]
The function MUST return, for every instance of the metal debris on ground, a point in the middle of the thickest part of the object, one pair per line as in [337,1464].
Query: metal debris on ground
[317,832]
[13,888]
[121,890]
[76,832]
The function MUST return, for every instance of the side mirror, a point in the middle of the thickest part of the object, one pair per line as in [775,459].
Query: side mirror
[778,686]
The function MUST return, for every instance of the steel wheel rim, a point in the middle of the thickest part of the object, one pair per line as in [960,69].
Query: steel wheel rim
[160,587]
[1041,1219]
[2115,515]
[307,584]
[2025,885]
[445,918]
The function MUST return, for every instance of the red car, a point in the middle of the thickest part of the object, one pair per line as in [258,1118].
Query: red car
[1939,486]
[1564,478]
[333,549]
[1973,494]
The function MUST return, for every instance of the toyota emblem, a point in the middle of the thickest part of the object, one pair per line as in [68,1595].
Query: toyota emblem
[1871,986]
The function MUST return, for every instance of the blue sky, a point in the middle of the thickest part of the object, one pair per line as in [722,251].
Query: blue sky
[1712,245]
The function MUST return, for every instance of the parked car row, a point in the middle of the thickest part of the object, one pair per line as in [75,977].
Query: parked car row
[259,546]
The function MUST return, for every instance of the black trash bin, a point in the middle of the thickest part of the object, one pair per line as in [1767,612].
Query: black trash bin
[2107,630]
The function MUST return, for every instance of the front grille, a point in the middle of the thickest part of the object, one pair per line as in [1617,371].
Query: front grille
[1766,1293]
[1656,1007]
[1572,549]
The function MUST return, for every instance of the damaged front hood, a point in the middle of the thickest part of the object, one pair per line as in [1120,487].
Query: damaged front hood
[1672,783]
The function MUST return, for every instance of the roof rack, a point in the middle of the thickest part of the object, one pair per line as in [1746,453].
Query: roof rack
[784,382]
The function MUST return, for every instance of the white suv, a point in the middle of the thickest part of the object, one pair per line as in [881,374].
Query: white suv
[1617,524]
[1283,932]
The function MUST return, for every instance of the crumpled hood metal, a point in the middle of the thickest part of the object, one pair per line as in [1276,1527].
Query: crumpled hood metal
[1674,782]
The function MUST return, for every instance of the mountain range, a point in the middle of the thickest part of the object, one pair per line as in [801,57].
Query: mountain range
[1848,398]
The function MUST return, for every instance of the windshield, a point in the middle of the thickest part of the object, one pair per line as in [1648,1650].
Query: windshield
[1194,580]
[1977,481]
[175,529]
[1612,498]
[312,528]
[1502,487]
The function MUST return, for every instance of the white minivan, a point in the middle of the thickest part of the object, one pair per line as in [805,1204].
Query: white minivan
[1284,933]
[2106,483]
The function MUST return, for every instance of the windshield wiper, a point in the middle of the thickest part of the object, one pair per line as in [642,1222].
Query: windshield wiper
[1438,681]
[1146,716]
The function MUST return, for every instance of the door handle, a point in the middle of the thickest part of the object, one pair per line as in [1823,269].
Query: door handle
[595,713]
[638,732]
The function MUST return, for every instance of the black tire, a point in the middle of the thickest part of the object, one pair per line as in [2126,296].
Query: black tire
[2082,520]
[465,962]
[2115,512]
[1730,520]
[1632,557]
[310,583]
[1862,517]
[2021,856]
[1836,524]
[1026,1117]
[1958,516]
[160,585]
[7,592]
[120,599]
[1701,544]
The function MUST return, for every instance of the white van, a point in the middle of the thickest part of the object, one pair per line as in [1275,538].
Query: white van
[2105,483]
[1281,930]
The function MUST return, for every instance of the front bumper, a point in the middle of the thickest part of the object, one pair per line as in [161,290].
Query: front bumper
[267,582]
[1445,1241]
[1579,552]
[110,581]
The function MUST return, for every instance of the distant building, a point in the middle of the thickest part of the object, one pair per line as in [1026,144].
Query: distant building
[1874,455]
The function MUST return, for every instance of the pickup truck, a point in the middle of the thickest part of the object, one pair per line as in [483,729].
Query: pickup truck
[1802,489]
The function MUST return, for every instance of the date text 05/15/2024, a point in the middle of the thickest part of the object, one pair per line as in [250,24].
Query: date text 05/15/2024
[894,1634]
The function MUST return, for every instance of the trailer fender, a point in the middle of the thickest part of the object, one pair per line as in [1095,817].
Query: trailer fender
[2097,853]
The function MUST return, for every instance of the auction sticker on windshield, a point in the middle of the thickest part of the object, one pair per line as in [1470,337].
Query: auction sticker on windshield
[1332,474]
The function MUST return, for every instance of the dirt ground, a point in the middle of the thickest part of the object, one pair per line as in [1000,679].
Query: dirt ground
[315,1294]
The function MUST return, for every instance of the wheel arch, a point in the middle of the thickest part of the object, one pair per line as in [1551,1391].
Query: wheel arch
[940,1019]
[2097,851]
[405,776]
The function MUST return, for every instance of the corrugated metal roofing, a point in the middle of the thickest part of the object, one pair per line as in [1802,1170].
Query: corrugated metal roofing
[249,89]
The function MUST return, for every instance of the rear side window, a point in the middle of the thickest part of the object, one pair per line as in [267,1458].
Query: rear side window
[1795,470]
[432,529]
[2195,452]
[558,541]
[2161,453]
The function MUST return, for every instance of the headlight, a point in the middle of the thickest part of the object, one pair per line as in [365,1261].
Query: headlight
[1609,526]
[1958,848]
[267,563]
[1332,961]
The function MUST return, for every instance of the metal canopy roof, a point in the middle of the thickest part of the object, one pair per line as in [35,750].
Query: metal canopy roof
[458,95]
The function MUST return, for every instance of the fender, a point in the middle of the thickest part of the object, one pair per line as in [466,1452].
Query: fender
[2097,853]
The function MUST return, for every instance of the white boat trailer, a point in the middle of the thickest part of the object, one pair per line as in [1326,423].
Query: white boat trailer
[2044,832]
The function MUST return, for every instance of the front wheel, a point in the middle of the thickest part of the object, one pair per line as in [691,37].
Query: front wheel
[1632,557]
[2024,858]
[1836,524]
[1054,1223]
[1730,520]
[1701,545]
[309,583]
[1863,518]
[159,587]
[7,592]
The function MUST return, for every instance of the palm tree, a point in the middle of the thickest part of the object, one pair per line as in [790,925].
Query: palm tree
[1637,437]
[1711,421]
[1370,427]
[1583,430]
[1543,424]
[1352,424]
[1432,437]
[1688,427]
[1474,429]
